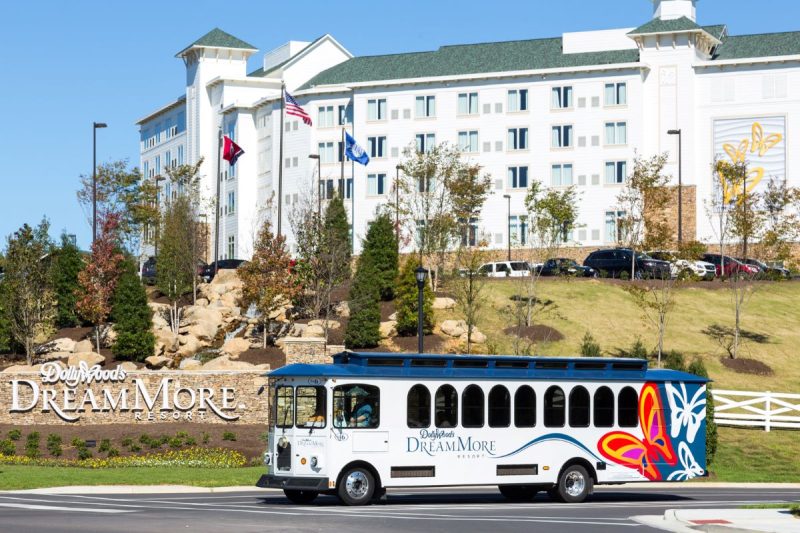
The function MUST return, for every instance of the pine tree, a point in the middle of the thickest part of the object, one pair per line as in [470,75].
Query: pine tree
[336,240]
[406,302]
[380,248]
[363,327]
[67,263]
[698,368]
[5,327]
[132,316]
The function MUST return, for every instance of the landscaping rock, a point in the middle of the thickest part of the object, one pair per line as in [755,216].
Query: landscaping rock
[190,364]
[190,345]
[56,345]
[224,363]
[55,356]
[156,361]
[388,329]
[84,346]
[108,336]
[17,369]
[444,303]
[127,366]
[477,337]
[235,347]
[314,331]
[90,358]
[201,322]
[342,309]
[332,324]
[201,302]
[454,328]
[297,330]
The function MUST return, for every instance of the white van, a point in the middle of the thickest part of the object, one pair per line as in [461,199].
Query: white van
[506,269]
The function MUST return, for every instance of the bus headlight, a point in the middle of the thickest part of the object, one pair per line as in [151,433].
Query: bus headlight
[313,462]
[267,458]
[283,442]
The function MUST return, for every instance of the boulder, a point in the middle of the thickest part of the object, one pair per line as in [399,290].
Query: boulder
[128,366]
[56,345]
[190,345]
[226,277]
[332,324]
[90,358]
[297,330]
[85,345]
[454,328]
[201,302]
[477,337]
[159,348]
[444,303]
[264,366]
[54,356]
[157,361]
[167,339]
[160,314]
[16,369]
[108,336]
[235,347]
[201,322]
[314,331]
[190,364]
[388,329]
[342,309]
[224,363]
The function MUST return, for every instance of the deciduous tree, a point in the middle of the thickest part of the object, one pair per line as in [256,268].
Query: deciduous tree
[468,285]
[176,264]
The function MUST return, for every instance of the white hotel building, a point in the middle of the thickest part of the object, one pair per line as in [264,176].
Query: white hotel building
[569,110]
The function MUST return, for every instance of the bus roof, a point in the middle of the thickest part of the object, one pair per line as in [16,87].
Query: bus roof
[431,366]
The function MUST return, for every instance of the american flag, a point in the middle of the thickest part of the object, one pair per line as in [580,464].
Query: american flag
[293,108]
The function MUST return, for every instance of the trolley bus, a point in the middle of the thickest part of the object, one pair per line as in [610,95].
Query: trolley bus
[371,421]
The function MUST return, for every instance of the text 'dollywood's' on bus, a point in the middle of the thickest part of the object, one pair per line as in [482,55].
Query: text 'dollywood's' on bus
[368,422]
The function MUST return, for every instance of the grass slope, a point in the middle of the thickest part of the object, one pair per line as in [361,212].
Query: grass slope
[750,455]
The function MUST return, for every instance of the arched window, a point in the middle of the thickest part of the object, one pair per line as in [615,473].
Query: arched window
[525,407]
[554,407]
[579,408]
[499,407]
[418,407]
[472,407]
[627,408]
[603,408]
[446,407]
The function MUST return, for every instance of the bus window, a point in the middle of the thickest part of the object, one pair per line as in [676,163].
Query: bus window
[579,408]
[472,407]
[418,407]
[446,407]
[554,407]
[356,406]
[603,408]
[627,408]
[310,407]
[499,407]
[284,407]
[525,407]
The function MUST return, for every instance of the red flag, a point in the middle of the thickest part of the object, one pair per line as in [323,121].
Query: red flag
[230,150]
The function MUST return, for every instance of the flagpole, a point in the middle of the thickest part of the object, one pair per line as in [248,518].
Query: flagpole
[280,162]
[216,223]
[353,193]
[341,177]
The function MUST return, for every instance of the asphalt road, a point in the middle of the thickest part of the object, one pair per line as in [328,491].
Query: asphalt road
[454,510]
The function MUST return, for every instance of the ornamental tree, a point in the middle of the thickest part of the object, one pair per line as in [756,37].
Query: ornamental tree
[132,316]
[67,262]
[363,327]
[407,304]
[380,249]
[98,279]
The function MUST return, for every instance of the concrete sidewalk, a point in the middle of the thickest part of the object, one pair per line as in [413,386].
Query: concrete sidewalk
[723,520]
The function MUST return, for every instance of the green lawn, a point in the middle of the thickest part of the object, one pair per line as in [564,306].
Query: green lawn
[750,455]
[30,477]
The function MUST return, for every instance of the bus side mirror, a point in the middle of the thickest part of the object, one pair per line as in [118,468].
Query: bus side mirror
[260,390]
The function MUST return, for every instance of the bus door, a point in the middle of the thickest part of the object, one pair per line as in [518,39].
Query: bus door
[356,418]
[300,423]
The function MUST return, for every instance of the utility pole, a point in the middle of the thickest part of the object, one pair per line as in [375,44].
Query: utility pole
[95,127]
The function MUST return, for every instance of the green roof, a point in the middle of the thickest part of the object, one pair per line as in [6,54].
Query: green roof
[217,38]
[760,45]
[467,59]
[666,26]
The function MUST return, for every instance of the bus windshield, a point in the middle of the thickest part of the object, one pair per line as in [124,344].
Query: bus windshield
[310,407]
[284,406]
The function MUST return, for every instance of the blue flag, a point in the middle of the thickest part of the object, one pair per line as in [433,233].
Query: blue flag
[353,150]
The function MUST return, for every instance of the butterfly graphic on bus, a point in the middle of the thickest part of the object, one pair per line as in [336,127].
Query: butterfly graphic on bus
[643,455]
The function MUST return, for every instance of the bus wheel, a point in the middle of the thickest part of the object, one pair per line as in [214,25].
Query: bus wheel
[518,493]
[300,496]
[574,484]
[356,486]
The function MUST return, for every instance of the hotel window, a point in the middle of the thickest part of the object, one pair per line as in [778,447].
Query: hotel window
[425,142]
[518,139]
[168,163]
[616,133]
[344,115]
[616,94]
[561,98]
[469,232]
[172,131]
[377,146]
[180,155]
[231,207]
[616,172]
[426,184]
[517,100]
[326,188]
[562,137]
[376,109]
[517,177]
[325,117]
[426,106]
[347,186]
[519,229]
[614,231]
[146,169]
[376,184]
[231,247]
[468,104]
[326,153]
[168,191]
[561,175]
[158,132]
[468,141]
[158,165]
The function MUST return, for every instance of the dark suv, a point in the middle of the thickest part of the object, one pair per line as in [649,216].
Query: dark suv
[615,261]
[149,271]
[210,270]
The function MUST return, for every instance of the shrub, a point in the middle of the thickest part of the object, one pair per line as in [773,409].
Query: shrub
[229,435]
[54,445]
[136,448]
[182,435]
[7,447]
[78,443]
[127,442]
[674,361]
[698,368]
[84,453]
[32,445]
[637,351]
[163,439]
[363,327]
[154,444]
[624,275]
[380,249]
[113,452]
[206,437]
[105,445]
[191,441]
[175,442]
[132,317]
[14,434]
[406,302]
[144,439]
[589,346]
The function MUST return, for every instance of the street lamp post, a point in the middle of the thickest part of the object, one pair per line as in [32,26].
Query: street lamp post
[158,210]
[319,182]
[508,220]
[420,274]
[680,183]
[95,126]
[398,168]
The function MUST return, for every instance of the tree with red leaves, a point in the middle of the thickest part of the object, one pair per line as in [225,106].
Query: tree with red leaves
[99,276]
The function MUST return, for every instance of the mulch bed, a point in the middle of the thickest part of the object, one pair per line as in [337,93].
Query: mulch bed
[747,366]
[432,343]
[272,355]
[537,333]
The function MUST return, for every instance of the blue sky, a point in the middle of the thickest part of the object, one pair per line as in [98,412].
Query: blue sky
[66,64]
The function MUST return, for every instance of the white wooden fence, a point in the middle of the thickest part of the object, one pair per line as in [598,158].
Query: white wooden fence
[756,409]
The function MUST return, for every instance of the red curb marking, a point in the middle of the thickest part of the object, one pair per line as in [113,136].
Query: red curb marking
[705,522]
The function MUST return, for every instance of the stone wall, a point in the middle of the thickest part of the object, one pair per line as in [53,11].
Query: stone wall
[309,350]
[136,397]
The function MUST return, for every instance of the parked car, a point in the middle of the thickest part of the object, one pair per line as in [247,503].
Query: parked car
[701,269]
[506,269]
[210,270]
[767,271]
[561,266]
[149,271]
[732,266]
[613,262]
